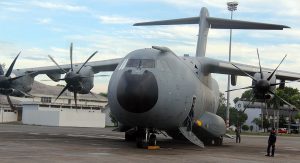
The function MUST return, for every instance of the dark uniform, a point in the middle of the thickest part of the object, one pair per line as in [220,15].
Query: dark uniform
[271,142]
[238,135]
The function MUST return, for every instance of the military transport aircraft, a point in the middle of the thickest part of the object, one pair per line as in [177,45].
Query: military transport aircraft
[154,90]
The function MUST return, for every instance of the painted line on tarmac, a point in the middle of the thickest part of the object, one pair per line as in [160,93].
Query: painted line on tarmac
[34,133]
[291,149]
[99,136]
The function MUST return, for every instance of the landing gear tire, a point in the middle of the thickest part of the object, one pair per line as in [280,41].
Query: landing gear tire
[141,143]
[218,141]
[141,135]
[207,142]
[130,135]
[152,140]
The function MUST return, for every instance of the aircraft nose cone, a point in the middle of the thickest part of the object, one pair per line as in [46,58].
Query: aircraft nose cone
[137,93]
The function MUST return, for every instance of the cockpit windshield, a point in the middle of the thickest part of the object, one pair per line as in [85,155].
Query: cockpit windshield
[141,63]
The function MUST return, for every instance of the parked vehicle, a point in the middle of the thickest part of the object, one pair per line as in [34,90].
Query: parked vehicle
[282,130]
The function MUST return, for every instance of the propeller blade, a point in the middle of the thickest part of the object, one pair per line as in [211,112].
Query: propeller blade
[75,98]
[276,68]
[15,78]
[11,66]
[87,61]
[10,103]
[1,70]
[282,99]
[93,76]
[244,72]
[65,88]
[252,86]
[71,55]
[252,100]
[24,93]
[93,94]
[261,74]
[101,75]
[52,59]
[52,80]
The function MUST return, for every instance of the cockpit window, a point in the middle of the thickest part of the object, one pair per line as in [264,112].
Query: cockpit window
[141,63]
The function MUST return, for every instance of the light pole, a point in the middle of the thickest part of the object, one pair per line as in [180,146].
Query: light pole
[232,6]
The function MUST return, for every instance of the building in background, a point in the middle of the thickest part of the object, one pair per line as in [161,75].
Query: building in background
[42,109]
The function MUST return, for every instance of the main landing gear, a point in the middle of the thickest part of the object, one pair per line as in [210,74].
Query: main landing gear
[144,137]
[213,141]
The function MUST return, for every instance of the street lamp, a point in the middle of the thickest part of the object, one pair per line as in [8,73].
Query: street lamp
[232,6]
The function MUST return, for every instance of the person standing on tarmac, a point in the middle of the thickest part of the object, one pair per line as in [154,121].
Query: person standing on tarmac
[271,142]
[238,135]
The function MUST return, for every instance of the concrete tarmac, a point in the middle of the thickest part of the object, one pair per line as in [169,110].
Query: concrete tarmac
[40,144]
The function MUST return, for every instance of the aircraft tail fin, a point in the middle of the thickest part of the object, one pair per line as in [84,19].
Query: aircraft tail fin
[205,22]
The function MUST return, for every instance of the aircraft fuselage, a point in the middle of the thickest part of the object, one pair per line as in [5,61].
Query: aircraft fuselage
[155,89]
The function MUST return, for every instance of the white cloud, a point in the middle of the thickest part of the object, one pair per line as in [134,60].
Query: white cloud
[181,39]
[59,6]
[44,21]
[105,19]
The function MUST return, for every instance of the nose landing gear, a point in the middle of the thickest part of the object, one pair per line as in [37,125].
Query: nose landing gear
[146,138]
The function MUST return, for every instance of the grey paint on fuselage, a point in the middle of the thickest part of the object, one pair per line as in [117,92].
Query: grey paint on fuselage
[178,82]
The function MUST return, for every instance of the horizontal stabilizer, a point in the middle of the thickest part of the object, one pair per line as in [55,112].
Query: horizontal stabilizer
[217,23]
[206,22]
[191,20]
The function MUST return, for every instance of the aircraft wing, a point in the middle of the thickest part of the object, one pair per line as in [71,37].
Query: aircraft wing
[105,65]
[210,65]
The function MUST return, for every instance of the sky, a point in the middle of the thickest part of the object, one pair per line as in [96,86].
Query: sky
[41,28]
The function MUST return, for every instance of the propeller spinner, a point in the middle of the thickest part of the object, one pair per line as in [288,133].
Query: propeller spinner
[73,78]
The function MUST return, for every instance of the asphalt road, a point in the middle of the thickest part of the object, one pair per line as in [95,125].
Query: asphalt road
[40,144]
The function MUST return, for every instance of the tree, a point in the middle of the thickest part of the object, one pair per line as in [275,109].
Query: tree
[113,119]
[257,122]
[103,94]
[235,117]
[291,95]
[235,100]
[251,128]
[282,121]
[297,116]
[266,124]
[245,127]
[247,95]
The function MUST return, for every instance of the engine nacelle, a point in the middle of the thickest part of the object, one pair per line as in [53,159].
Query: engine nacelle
[23,84]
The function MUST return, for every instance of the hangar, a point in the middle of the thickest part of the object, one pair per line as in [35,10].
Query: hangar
[42,109]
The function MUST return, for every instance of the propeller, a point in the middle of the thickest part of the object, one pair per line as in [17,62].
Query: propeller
[262,84]
[6,82]
[73,78]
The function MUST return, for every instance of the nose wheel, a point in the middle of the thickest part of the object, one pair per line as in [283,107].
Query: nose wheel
[145,138]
